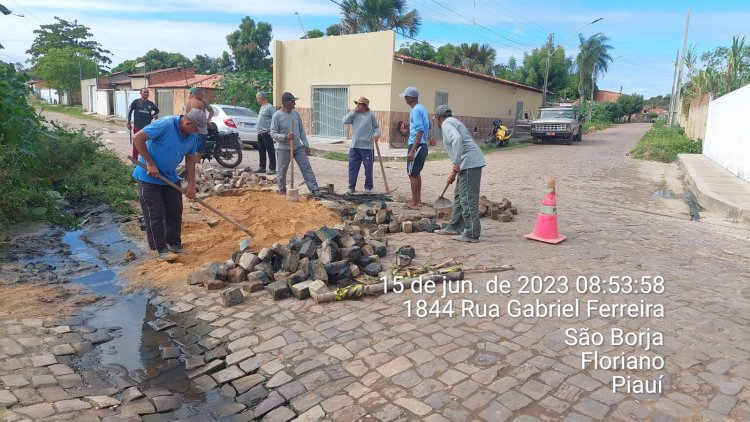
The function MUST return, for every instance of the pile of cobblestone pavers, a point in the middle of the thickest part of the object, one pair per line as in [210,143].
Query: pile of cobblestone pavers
[502,211]
[211,180]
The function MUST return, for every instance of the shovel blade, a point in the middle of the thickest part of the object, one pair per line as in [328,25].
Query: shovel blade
[442,202]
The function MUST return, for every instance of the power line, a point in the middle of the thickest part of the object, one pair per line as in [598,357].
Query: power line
[27,11]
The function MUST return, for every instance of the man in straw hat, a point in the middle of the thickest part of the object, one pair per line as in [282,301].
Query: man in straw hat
[365,131]
[468,160]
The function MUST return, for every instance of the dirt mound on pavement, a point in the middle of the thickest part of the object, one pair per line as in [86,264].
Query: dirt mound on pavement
[268,215]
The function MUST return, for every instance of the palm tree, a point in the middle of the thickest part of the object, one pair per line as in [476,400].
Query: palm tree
[592,61]
[477,58]
[378,15]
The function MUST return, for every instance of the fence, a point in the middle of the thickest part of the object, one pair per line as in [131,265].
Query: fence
[726,142]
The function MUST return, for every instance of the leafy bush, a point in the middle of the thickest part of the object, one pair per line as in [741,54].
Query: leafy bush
[663,143]
[42,168]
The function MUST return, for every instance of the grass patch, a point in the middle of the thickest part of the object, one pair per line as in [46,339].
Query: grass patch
[663,143]
[596,125]
[336,156]
[74,111]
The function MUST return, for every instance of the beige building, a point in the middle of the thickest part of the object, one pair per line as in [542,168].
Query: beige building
[329,73]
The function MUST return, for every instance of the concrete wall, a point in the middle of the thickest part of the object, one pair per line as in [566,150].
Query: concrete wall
[102,103]
[361,62]
[697,117]
[85,90]
[726,142]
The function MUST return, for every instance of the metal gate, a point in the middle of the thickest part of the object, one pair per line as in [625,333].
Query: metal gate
[441,98]
[164,102]
[328,110]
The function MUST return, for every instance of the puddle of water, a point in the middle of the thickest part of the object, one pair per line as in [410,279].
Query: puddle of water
[663,193]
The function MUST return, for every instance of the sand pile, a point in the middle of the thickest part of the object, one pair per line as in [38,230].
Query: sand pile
[269,216]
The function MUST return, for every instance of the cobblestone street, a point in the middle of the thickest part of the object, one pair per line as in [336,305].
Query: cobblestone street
[370,360]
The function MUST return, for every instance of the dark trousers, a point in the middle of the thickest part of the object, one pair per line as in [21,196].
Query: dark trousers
[465,214]
[162,214]
[265,147]
[357,157]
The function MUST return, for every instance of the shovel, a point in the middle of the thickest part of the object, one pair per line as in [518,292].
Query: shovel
[293,193]
[229,219]
[442,201]
[382,169]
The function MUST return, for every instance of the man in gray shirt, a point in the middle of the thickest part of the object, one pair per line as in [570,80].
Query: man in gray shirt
[365,131]
[265,143]
[286,128]
[468,160]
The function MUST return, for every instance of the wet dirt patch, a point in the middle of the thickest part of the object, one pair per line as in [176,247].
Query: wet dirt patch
[270,217]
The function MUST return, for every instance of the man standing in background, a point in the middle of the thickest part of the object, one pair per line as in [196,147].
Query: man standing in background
[143,112]
[419,125]
[265,142]
[286,129]
[196,100]
[365,131]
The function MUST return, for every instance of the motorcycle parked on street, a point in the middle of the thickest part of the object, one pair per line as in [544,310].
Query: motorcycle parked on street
[224,146]
[500,135]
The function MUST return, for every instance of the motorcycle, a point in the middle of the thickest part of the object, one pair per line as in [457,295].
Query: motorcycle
[224,146]
[500,135]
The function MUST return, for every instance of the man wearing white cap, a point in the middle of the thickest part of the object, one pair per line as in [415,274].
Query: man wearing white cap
[468,160]
[162,145]
[419,125]
[365,131]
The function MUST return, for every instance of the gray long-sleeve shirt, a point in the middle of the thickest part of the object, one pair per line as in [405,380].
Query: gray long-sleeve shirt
[264,118]
[364,125]
[460,145]
[281,124]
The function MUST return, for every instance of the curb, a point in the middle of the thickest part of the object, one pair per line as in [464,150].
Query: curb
[709,201]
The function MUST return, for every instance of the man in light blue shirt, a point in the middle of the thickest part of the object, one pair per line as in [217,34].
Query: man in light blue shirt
[162,145]
[419,125]
[468,160]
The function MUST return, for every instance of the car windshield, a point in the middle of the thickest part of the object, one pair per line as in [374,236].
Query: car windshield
[556,114]
[239,112]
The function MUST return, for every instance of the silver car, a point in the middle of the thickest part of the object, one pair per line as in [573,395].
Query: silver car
[237,119]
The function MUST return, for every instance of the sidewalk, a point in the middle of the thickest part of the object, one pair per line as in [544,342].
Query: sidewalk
[320,146]
[716,188]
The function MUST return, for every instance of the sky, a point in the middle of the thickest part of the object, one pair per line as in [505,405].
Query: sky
[645,35]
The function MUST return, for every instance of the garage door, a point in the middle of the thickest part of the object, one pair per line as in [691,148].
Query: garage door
[328,110]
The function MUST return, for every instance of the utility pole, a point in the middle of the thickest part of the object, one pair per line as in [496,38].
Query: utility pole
[546,68]
[679,75]
[674,84]
[593,81]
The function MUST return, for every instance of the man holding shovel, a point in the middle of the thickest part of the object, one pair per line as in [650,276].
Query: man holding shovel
[291,141]
[365,132]
[468,160]
[162,146]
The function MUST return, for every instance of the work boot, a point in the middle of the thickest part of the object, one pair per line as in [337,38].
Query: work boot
[165,255]
[271,172]
[350,192]
[316,193]
[446,231]
[260,170]
[368,190]
[463,238]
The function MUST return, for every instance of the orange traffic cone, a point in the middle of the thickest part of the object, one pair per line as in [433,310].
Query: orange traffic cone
[546,222]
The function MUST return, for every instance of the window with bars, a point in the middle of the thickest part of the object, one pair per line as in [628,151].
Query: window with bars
[328,110]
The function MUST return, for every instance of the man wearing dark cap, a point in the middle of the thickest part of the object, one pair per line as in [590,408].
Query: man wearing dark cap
[286,129]
[162,146]
[365,131]
[468,160]
[143,112]
[419,125]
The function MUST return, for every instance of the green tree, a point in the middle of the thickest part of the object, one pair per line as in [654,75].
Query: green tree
[156,59]
[630,104]
[239,88]
[333,30]
[250,44]
[448,55]
[204,64]
[226,63]
[378,15]
[128,66]
[420,50]
[63,69]
[592,61]
[509,71]
[66,34]
[477,58]
[534,67]
[314,33]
